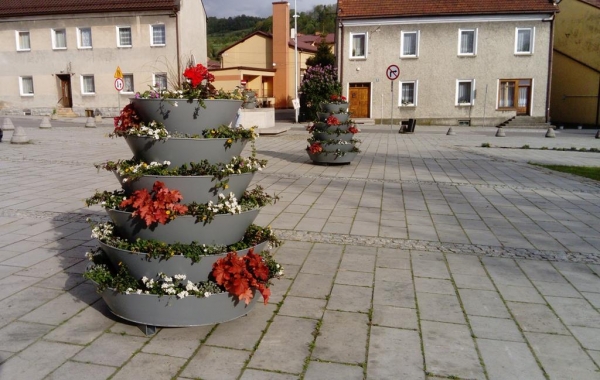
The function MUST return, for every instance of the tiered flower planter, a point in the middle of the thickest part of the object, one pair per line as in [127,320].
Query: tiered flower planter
[333,143]
[225,229]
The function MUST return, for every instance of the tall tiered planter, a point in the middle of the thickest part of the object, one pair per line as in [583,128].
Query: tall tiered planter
[190,119]
[333,144]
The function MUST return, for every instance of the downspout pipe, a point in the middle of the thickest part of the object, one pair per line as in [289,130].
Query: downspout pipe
[550,60]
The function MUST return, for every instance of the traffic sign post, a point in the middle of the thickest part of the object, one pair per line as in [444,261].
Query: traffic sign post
[392,73]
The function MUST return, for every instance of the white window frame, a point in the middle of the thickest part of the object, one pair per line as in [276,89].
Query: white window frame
[154,75]
[82,79]
[17,35]
[415,83]
[124,91]
[472,103]
[531,42]
[54,42]
[79,39]
[152,43]
[119,36]
[475,35]
[352,35]
[21,86]
[416,55]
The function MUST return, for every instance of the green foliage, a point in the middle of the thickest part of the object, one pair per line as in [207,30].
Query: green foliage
[592,172]
[485,145]
[323,57]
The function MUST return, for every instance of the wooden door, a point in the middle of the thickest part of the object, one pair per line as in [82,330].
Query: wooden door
[359,101]
[65,90]
[523,96]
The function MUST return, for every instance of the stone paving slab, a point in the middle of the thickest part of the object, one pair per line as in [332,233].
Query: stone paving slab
[427,257]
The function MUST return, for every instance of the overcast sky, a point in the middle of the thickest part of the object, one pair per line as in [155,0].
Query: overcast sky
[259,8]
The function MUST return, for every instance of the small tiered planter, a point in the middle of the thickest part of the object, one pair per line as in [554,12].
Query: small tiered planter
[332,141]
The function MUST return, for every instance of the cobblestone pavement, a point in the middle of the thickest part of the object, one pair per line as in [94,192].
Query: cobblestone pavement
[428,257]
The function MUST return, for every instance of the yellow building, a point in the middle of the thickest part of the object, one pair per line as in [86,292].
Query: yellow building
[265,62]
[576,67]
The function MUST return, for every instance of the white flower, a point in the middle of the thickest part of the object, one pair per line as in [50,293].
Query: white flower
[89,255]
[207,294]
[128,290]
[179,277]
[139,291]
[144,279]
[191,287]
[182,294]
[150,284]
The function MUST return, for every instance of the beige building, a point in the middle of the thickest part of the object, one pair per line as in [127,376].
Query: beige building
[64,55]
[266,63]
[576,65]
[471,62]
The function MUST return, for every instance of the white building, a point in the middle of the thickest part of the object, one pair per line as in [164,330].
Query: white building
[63,55]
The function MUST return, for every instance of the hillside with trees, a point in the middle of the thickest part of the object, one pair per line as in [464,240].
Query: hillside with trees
[223,32]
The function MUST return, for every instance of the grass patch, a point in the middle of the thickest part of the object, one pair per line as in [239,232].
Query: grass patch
[592,172]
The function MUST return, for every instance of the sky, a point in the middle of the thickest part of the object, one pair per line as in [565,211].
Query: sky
[259,8]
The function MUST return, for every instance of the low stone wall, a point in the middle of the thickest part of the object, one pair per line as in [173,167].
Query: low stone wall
[261,117]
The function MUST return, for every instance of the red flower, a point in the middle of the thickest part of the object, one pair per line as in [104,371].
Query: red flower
[126,120]
[315,148]
[158,206]
[337,98]
[332,120]
[239,275]
[197,74]
[353,129]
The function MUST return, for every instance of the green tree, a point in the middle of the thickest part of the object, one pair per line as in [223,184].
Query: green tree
[323,57]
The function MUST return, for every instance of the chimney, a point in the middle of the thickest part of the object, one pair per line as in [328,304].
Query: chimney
[281,53]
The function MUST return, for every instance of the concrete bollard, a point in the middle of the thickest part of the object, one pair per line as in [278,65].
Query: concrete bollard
[598,134]
[450,132]
[90,123]
[45,124]
[561,127]
[579,127]
[550,133]
[500,132]
[7,125]
[19,136]
[98,119]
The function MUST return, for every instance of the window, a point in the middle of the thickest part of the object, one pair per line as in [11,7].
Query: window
[467,41]
[465,92]
[160,81]
[128,83]
[26,86]
[23,42]
[524,40]
[124,36]
[358,49]
[59,39]
[409,46]
[408,93]
[84,38]
[158,35]
[514,93]
[87,85]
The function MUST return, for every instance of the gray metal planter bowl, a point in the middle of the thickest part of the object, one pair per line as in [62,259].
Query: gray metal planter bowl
[322,127]
[140,265]
[168,311]
[180,115]
[183,150]
[331,159]
[335,108]
[333,136]
[334,147]
[225,229]
[342,117]
[199,189]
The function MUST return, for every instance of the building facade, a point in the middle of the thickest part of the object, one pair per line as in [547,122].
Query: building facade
[64,55]
[576,65]
[470,62]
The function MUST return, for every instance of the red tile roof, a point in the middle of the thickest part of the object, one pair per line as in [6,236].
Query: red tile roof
[407,8]
[14,8]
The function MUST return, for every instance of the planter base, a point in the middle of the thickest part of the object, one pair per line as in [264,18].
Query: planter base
[331,159]
[168,311]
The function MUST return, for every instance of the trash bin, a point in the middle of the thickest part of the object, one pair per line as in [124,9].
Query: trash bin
[89,113]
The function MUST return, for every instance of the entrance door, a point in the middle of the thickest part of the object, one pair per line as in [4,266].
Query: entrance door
[515,94]
[359,100]
[65,90]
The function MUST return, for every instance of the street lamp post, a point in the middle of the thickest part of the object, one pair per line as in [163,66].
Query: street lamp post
[296,58]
